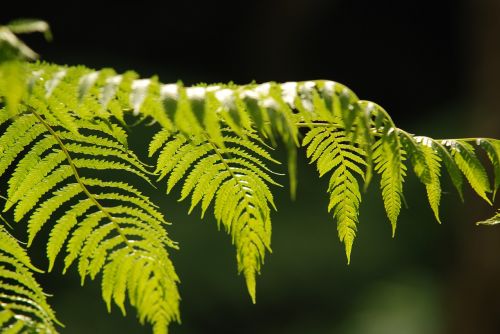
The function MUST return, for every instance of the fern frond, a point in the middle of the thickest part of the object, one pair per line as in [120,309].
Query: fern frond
[417,156]
[158,140]
[454,172]
[389,157]
[30,159]
[29,200]
[44,211]
[236,176]
[335,152]
[103,164]
[495,220]
[67,122]
[466,159]
[426,165]
[23,304]
[106,222]
[492,148]
[50,98]
[14,142]
[433,163]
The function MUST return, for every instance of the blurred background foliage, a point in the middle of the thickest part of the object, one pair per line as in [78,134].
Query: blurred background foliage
[434,65]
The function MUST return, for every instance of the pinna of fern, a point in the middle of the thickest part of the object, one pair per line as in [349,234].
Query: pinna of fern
[109,227]
[495,220]
[23,304]
[233,174]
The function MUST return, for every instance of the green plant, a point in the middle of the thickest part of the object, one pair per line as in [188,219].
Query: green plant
[64,129]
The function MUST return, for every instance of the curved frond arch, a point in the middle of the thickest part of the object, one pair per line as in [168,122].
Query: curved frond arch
[63,146]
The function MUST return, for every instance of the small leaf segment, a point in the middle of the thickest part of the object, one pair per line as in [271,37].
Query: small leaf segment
[23,304]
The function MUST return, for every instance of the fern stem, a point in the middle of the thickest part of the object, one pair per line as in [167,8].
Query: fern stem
[313,124]
[463,139]
[79,179]
[221,157]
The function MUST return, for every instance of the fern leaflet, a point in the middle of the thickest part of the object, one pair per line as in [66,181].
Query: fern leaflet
[495,220]
[432,184]
[333,151]
[236,177]
[23,304]
[471,167]
[492,148]
[389,157]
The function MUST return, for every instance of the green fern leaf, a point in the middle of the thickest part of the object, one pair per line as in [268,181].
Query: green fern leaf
[101,164]
[107,153]
[492,148]
[183,164]
[117,140]
[495,220]
[454,172]
[212,176]
[63,127]
[158,140]
[108,221]
[417,156]
[29,200]
[79,236]
[49,97]
[235,176]
[37,172]
[23,304]
[25,165]
[21,140]
[433,163]
[335,152]
[60,232]
[166,162]
[43,213]
[389,157]
[471,167]
[11,141]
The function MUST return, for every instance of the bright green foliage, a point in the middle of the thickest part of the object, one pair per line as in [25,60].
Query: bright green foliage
[495,220]
[235,175]
[389,157]
[426,164]
[432,184]
[64,154]
[471,167]
[109,227]
[23,304]
[331,150]
[454,172]
[492,148]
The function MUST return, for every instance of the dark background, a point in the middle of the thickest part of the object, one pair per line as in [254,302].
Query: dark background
[434,65]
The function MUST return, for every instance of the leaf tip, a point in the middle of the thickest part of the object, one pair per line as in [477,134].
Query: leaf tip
[393,229]
[250,281]
[51,266]
[348,249]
